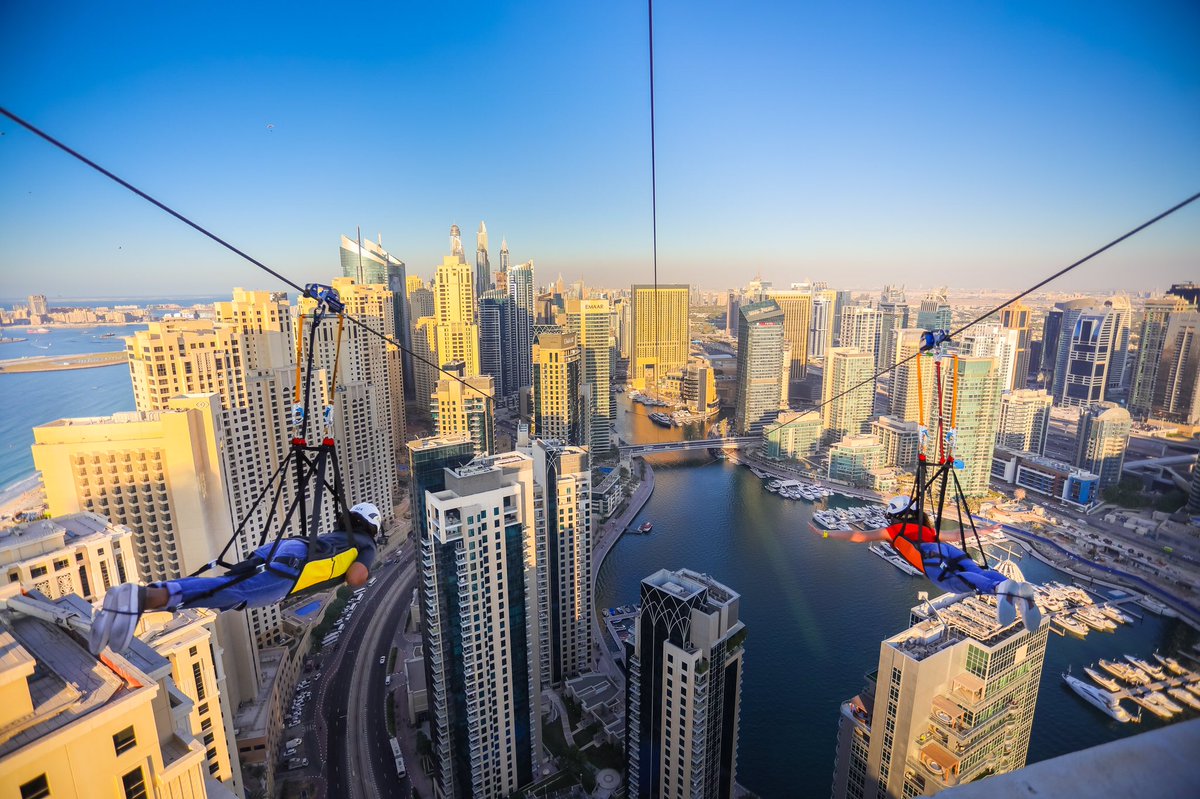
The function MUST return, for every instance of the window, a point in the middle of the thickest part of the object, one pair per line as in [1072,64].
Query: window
[35,788]
[199,678]
[124,740]
[135,784]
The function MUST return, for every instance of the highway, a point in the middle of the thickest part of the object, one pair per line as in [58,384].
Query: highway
[355,756]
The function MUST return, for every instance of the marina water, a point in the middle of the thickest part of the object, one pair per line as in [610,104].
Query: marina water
[816,611]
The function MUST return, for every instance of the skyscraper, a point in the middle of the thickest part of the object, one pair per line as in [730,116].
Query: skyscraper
[906,398]
[497,348]
[368,400]
[425,360]
[454,307]
[893,315]
[685,685]
[480,636]
[521,289]
[483,269]
[563,520]
[1024,420]
[558,408]
[978,396]
[1051,333]
[1153,338]
[465,405]
[843,413]
[761,333]
[1101,441]
[1176,395]
[934,311]
[900,440]
[997,342]
[247,355]
[952,700]
[590,321]
[367,263]
[820,338]
[797,326]
[428,460]
[659,341]
[733,303]
[1086,354]
[161,473]
[860,329]
[1016,317]
[1189,291]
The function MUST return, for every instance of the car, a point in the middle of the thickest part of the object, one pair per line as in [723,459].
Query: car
[388,681]
[372,581]
[382,659]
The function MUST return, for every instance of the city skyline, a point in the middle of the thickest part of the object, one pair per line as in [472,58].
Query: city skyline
[253,155]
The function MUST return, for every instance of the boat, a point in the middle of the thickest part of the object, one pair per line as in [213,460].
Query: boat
[1161,698]
[661,419]
[1194,688]
[645,528]
[893,557]
[1070,624]
[1094,620]
[1153,706]
[1121,671]
[1154,606]
[108,335]
[1101,700]
[1114,614]
[1185,697]
[1153,671]
[1101,680]
[1170,663]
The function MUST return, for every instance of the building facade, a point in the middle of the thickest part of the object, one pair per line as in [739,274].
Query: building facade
[761,339]
[1024,420]
[793,435]
[1101,440]
[1176,395]
[685,683]
[1017,317]
[590,321]
[465,405]
[367,263]
[797,308]
[558,408]
[846,411]
[952,701]
[482,642]
[978,397]
[659,341]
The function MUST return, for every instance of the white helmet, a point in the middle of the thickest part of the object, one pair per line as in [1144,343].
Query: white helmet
[368,513]
[898,505]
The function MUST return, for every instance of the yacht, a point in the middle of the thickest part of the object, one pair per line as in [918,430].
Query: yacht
[661,419]
[1153,671]
[1162,699]
[1102,700]
[889,554]
[1070,624]
[645,528]
[1170,663]
[1153,706]
[1114,614]
[1101,680]
[1123,672]
[1185,697]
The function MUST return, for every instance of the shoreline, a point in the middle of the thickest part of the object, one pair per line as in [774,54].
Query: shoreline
[36,364]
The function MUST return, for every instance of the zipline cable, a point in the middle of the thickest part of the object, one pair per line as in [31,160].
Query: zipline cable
[205,231]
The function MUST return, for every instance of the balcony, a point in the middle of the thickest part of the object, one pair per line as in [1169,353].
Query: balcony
[937,761]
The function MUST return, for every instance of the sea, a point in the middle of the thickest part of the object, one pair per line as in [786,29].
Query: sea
[816,611]
[35,398]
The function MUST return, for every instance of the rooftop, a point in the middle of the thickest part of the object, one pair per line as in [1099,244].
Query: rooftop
[71,529]
[66,683]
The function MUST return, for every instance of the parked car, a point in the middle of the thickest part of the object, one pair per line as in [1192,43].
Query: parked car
[382,659]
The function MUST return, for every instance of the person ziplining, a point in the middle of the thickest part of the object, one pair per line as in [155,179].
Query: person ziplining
[286,566]
[918,538]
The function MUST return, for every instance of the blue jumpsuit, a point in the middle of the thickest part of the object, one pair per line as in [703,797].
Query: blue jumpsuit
[266,586]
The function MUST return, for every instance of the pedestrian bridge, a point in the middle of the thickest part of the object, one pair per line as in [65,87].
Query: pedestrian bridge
[640,450]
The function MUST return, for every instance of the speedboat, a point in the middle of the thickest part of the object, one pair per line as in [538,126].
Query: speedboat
[645,528]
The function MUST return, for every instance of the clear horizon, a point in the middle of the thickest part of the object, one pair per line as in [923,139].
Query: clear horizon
[859,146]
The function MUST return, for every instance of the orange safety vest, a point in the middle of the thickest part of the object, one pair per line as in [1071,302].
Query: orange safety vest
[902,539]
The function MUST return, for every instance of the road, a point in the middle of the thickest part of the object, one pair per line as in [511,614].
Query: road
[353,755]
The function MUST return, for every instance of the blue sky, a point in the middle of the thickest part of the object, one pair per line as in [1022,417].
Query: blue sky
[975,144]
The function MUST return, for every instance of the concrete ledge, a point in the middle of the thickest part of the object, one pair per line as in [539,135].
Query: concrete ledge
[1160,763]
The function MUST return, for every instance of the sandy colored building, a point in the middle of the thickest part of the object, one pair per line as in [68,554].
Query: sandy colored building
[73,725]
[659,341]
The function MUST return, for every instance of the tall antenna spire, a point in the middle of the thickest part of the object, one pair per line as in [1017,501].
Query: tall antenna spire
[361,277]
